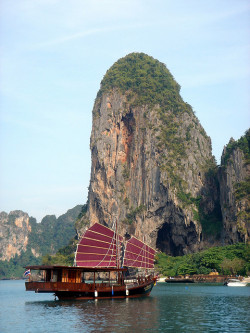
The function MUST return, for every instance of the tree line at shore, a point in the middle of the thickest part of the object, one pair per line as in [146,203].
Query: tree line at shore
[226,260]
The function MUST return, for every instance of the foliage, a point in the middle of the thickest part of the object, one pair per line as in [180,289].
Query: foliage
[243,144]
[231,259]
[131,216]
[242,189]
[83,211]
[148,80]
[233,267]
[45,238]
[52,233]
[65,256]
[125,172]
[187,198]
[82,220]
[14,268]
[211,222]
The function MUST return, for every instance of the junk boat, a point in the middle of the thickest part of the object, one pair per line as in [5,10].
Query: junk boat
[101,269]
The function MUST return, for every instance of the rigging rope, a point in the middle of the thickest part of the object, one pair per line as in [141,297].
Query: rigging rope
[113,239]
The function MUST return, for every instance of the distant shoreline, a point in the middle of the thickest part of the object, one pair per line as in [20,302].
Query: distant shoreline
[200,279]
[12,279]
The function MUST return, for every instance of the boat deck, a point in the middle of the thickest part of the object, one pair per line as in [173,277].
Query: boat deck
[69,290]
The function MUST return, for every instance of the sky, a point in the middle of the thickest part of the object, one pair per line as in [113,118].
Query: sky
[54,54]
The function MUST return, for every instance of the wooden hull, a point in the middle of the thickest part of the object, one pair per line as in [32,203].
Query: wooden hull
[79,291]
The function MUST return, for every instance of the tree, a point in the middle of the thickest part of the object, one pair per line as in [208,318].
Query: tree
[235,266]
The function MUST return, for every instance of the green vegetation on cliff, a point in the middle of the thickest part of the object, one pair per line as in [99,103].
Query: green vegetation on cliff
[65,256]
[53,233]
[45,238]
[82,220]
[232,259]
[240,189]
[147,81]
[14,268]
[243,144]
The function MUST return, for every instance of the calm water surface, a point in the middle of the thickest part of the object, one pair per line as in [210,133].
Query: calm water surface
[169,308]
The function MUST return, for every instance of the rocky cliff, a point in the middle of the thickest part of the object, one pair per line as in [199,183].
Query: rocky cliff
[234,177]
[24,241]
[14,234]
[152,164]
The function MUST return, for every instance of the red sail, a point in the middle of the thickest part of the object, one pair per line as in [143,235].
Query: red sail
[138,254]
[97,247]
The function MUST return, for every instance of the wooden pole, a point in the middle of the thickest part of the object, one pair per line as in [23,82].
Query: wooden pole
[117,252]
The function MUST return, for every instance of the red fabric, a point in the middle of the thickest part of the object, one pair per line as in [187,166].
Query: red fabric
[96,243]
[138,254]
[132,263]
[93,256]
[88,249]
[97,247]
[94,264]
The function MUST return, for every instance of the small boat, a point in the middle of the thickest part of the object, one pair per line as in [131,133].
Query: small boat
[179,280]
[235,283]
[161,279]
[101,270]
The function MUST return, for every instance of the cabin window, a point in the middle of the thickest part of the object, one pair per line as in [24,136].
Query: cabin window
[72,276]
[64,275]
[59,276]
[54,278]
[78,277]
[48,275]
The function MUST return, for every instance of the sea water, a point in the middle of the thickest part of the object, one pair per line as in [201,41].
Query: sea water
[169,308]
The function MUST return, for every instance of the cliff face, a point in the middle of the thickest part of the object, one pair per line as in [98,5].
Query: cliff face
[20,233]
[152,166]
[234,177]
[14,234]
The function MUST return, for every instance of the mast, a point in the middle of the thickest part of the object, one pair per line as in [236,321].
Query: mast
[117,247]
[75,255]
[145,256]
[117,254]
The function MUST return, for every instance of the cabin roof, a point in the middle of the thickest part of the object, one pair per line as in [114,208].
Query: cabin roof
[76,268]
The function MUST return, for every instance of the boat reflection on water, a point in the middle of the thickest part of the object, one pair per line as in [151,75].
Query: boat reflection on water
[169,308]
[115,315]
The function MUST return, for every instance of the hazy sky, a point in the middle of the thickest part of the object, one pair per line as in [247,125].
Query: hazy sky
[54,53]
